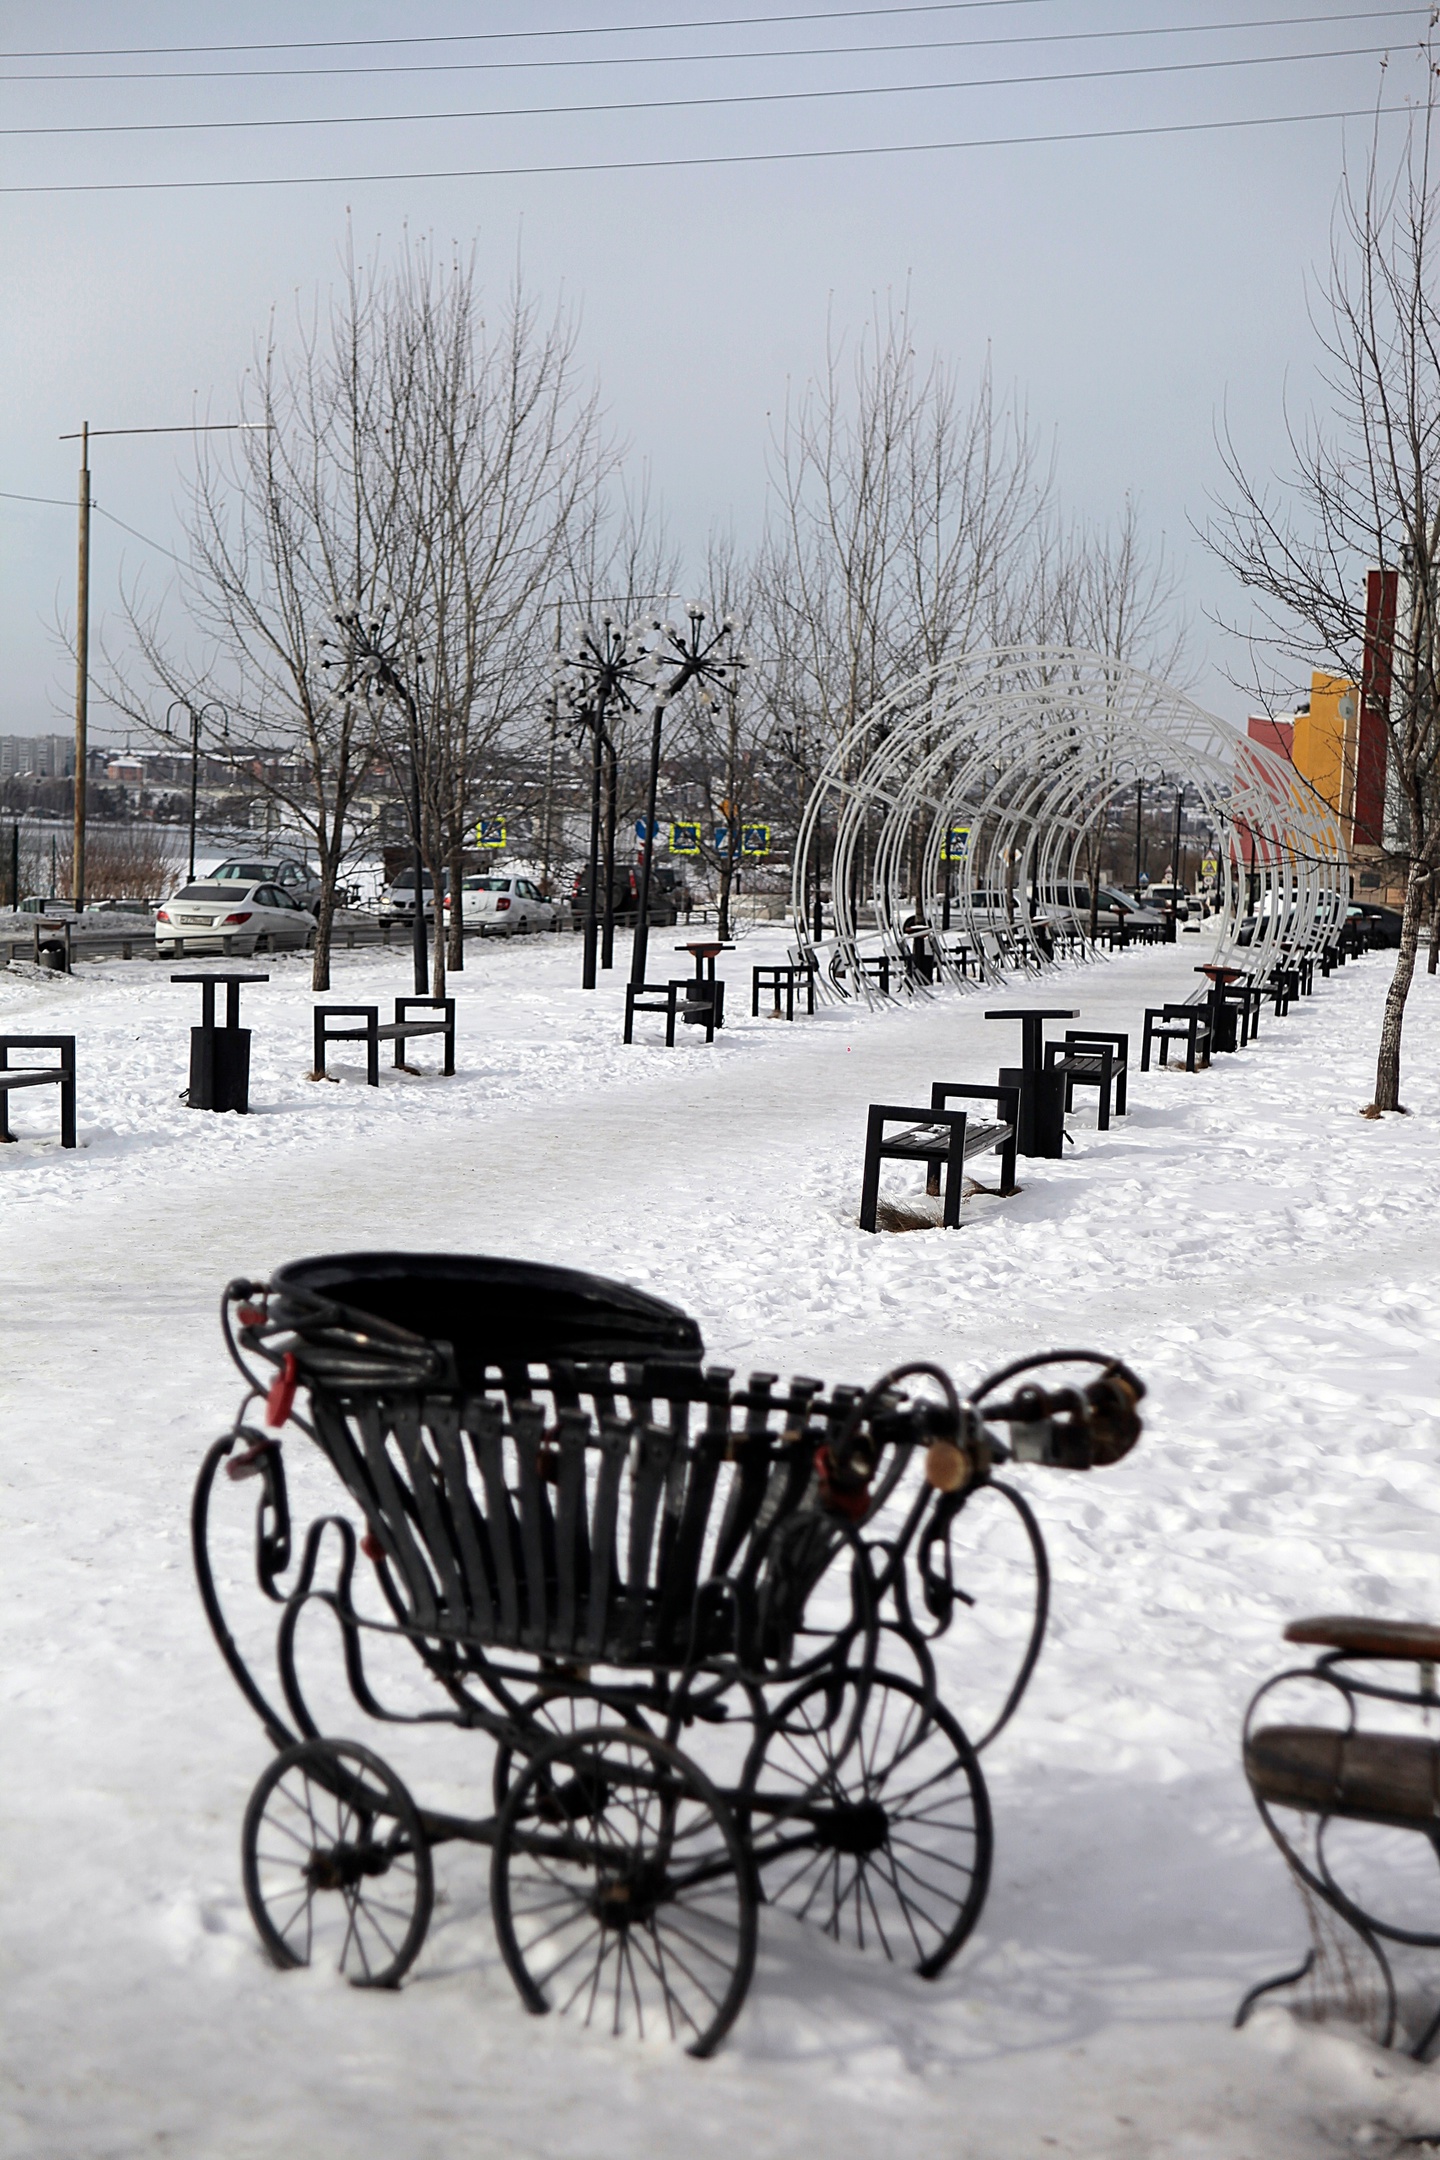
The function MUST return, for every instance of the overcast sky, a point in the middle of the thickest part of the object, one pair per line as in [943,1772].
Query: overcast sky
[1131,286]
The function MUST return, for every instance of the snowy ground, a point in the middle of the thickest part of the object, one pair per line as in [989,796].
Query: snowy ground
[1266,1258]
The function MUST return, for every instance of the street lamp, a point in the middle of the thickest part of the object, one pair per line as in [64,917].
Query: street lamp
[682,657]
[197,715]
[599,674]
[367,665]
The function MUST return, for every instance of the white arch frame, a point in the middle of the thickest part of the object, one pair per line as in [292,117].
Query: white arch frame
[1027,745]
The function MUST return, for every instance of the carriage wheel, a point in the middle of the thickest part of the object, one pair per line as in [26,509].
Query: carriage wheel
[1000,1577]
[873,1827]
[552,1711]
[336,1864]
[620,1891]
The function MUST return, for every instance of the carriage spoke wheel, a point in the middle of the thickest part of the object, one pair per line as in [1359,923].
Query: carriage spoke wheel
[336,1864]
[873,1827]
[548,1712]
[620,1892]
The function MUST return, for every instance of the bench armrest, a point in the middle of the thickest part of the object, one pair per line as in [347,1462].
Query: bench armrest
[1416,1640]
[38,1042]
[942,1090]
[1083,1037]
[441,1004]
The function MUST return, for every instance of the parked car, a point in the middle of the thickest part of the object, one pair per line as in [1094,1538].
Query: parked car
[499,906]
[669,899]
[1115,906]
[397,901]
[255,917]
[286,871]
[1165,897]
[1384,924]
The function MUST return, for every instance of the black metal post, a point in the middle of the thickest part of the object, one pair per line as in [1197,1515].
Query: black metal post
[15,864]
[641,952]
[612,789]
[1139,830]
[419,943]
[592,900]
[194,783]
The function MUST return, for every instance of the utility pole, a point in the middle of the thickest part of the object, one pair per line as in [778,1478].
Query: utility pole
[82,611]
[547,832]
[82,674]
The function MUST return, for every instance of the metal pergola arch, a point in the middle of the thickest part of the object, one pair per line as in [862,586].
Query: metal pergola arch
[1027,745]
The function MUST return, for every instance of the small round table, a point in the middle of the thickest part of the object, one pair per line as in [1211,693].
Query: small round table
[1222,1012]
[705,989]
[219,1056]
[1042,1093]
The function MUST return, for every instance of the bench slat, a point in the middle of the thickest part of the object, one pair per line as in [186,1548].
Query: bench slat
[925,1139]
[1392,1776]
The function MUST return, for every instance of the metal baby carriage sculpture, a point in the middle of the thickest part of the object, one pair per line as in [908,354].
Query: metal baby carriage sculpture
[693,1618]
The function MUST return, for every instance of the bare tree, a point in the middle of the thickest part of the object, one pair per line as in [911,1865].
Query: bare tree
[1365,489]
[279,533]
[725,747]
[1124,605]
[495,461]
[899,513]
[411,461]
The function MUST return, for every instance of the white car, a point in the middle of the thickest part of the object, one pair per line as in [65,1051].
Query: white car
[287,871]
[504,906]
[256,918]
[397,901]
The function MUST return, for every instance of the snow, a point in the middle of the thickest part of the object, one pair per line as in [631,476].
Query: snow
[1261,1254]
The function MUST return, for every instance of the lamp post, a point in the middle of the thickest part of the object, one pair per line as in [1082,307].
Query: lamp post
[600,674]
[682,657]
[368,664]
[197,715]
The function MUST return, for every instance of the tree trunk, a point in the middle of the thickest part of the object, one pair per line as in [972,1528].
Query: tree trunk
[455,863]
[1434,954]
[324,917]
[435,864]
[1387,1065]
[722,913]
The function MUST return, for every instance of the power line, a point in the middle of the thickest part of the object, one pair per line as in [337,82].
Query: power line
[668,104]
[158,545]
[678,164]
[391,68]
[496,37]
[690,104]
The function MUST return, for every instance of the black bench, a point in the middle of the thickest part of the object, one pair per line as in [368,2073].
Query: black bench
[24,1076]
[1244,999]
[1337,1768]
[693,1003]
[1091,1057]
[942,1139]
[787,976]
[1188,1023]
[1283,985]
[400,1030]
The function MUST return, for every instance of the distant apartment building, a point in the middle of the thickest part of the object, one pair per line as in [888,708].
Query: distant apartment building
[37,757]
